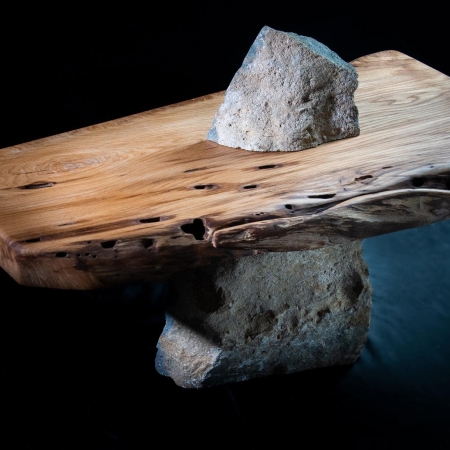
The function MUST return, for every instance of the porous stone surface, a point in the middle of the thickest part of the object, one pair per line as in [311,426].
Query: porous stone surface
[266,314]
[291,93]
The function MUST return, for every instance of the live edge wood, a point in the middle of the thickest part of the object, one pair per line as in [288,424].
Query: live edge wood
[139,198]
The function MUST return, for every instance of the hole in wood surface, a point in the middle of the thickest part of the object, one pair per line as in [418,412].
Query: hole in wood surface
[206,186]
[61,254]
[94,256]
[324,196]
[364,177]
[269,166]
[108,244]
[417,182]
[194,170]
[147,242]
[387,167]
[67,224]
[37,185]
[250,186]
[30,241]
[150,220]
[260,214]
[289,207]
[196,228]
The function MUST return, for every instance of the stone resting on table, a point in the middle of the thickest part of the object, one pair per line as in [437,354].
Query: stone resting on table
[291,93]
[148,196]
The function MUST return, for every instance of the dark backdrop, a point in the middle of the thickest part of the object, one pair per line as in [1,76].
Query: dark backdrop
[76,368]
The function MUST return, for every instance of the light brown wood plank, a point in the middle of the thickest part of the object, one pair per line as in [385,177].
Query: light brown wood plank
[104,205]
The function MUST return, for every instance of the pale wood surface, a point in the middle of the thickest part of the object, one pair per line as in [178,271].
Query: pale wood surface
[104,205]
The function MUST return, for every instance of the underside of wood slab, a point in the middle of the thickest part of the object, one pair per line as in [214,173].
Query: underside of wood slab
[142,197]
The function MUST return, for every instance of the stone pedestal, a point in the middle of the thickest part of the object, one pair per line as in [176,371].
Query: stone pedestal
[266,314]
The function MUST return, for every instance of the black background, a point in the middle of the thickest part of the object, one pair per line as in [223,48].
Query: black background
[77,368]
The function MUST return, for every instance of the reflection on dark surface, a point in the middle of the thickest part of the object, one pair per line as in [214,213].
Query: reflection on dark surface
[77,367]
[405,364]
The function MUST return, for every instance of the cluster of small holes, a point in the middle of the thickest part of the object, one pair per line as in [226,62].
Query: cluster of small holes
[104,244]
[78,255]
[147,243]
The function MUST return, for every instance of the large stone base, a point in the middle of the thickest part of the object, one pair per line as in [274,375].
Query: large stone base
[266,314]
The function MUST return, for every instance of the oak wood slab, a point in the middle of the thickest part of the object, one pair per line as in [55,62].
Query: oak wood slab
[141,197]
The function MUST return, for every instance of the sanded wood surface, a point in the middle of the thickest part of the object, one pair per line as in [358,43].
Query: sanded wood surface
[144,196]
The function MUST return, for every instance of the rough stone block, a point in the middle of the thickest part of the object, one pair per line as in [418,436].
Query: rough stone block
[291,93]
[266,314]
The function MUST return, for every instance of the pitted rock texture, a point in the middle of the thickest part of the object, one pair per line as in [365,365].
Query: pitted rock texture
[291,93]
[266,314]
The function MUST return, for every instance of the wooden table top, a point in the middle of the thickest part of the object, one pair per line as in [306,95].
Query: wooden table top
[141,197]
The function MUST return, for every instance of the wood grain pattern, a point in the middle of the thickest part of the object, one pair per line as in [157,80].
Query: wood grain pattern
[141,197]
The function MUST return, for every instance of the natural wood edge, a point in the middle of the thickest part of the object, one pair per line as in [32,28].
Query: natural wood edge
[387,54]
[116,122]
[358,218]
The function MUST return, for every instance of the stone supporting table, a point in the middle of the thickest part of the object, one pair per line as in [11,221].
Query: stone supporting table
[264,249]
